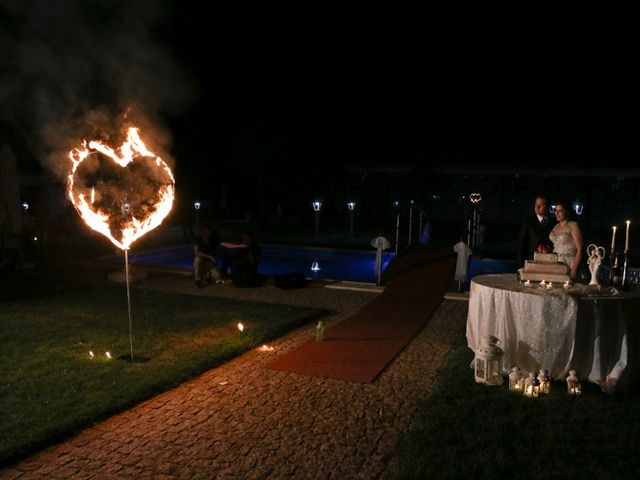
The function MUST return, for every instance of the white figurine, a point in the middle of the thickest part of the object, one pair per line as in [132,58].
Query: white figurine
[596,254]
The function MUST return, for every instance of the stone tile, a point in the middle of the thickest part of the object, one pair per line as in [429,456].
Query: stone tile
[265,423]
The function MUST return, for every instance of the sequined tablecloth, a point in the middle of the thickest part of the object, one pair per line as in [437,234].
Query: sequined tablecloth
[586,328]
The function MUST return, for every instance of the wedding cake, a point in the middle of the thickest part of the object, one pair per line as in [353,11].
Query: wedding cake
[544,266]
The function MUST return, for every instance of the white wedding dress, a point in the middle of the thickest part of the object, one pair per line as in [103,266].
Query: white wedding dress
[564,245]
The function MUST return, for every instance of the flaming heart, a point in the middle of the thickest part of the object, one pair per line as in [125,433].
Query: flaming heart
[123,194]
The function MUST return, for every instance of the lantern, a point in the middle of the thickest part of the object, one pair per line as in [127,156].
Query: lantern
[543,382]
[573,384]
[516,380]
[531,387]
[488,362]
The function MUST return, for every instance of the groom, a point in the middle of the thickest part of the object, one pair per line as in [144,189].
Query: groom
[535,230]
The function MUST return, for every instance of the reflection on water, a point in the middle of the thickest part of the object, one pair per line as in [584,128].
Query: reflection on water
[316,263]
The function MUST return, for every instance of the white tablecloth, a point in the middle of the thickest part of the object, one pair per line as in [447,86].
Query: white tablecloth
[589,330]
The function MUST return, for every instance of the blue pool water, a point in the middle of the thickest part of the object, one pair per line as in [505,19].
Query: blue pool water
[315,263]
[483,266]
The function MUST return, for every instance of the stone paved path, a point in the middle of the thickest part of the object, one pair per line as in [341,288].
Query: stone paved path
[242,420]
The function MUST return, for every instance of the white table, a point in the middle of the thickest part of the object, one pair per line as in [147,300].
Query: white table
[592,331]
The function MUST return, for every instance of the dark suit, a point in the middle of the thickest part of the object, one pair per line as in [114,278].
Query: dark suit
[533,232]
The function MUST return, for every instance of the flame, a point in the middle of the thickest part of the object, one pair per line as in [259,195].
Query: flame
[98,219]
[241,327]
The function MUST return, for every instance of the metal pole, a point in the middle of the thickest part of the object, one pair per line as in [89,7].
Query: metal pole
[478,239]
[351,223]
[397,230]
[317,224]
[410,223]
[379,260]
[126,271]
[475,228]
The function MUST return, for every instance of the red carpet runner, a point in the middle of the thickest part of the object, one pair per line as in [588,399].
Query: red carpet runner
[360,347]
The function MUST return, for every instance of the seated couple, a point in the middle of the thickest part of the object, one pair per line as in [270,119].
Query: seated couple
[243,260]
[561,232]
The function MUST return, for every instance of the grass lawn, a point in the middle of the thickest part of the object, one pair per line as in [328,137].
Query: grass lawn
[466,430]
[49,385]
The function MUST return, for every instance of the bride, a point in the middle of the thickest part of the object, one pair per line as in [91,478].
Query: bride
[567,239]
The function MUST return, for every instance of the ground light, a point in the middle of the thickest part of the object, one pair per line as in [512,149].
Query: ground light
[573,384]
[488,361]
[531,388]
[516,380]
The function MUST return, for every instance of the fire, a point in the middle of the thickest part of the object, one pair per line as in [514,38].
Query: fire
[122,210]
[241,327]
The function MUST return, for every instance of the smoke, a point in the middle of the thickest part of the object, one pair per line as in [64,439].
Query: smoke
[76,69]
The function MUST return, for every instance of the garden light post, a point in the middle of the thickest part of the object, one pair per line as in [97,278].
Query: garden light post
[197,205]
[396,205]
[578,207]
[474,221]
[317,206]
[352,207]
[410,221]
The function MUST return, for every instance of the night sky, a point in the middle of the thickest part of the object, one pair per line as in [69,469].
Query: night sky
[287,95]
[383,87]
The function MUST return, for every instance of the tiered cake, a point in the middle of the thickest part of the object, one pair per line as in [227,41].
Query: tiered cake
[545,266]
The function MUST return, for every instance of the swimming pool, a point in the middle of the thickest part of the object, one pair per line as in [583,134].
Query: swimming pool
[313,262]
[483,266]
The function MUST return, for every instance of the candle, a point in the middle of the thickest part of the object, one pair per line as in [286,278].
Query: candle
[567,284]
[626,241]
[543,283]
[527,283]
[550,285]
[613,240]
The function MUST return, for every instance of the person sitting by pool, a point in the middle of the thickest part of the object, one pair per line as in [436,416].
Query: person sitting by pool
[204,261]
[244,262]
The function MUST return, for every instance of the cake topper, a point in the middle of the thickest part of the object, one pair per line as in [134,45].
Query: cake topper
[596,254]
